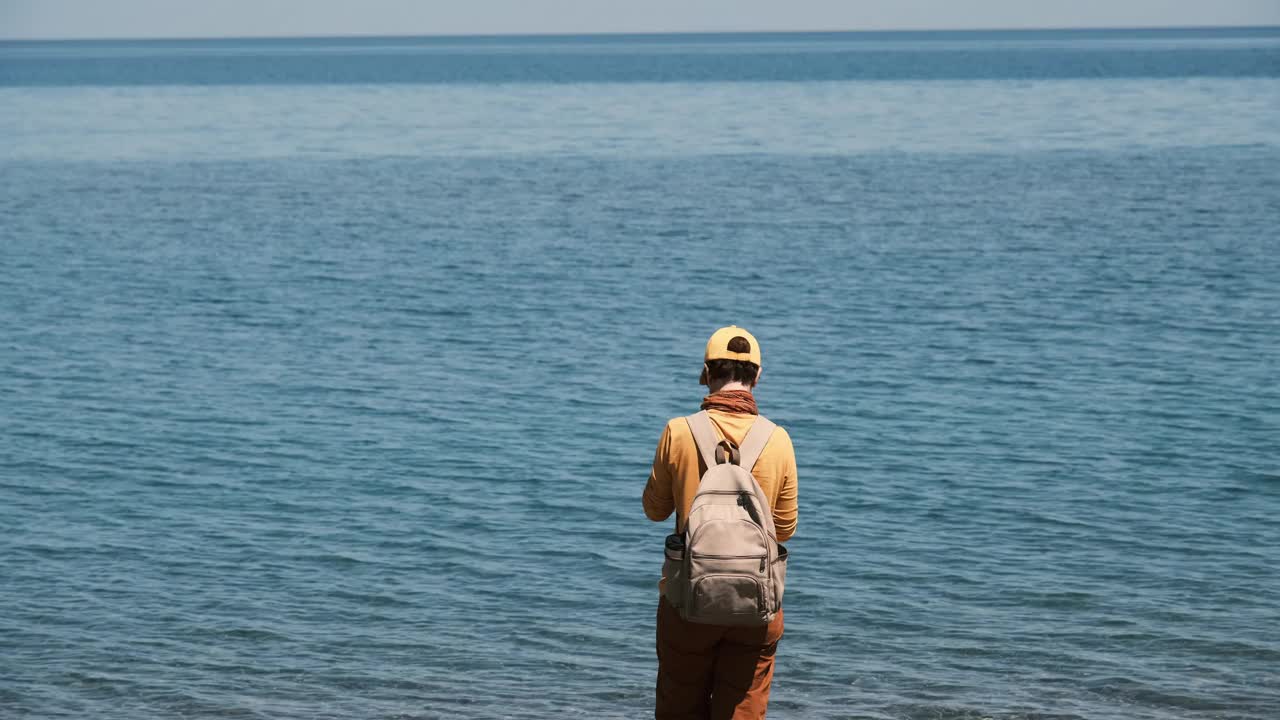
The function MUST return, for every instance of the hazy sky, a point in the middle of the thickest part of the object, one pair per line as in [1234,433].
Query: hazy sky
[199,18]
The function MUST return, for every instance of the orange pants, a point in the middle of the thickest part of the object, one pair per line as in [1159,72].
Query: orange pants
[713,672]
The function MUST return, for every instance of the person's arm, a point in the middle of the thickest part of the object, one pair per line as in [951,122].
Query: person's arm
[786,512]
[658,500]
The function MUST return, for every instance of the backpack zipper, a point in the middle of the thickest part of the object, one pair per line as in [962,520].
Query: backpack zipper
[745,500]
[764,560]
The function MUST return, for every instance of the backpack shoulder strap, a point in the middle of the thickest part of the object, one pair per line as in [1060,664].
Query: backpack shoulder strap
[753,444]
[704,436]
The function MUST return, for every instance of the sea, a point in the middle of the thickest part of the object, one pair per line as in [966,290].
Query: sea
[331,370]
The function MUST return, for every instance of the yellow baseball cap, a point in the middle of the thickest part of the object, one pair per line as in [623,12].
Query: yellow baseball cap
[718,346]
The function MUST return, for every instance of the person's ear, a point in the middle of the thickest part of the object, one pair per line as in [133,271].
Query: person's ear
[702,379]
[757,380]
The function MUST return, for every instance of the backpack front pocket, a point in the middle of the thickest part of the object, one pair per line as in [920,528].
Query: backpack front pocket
[724,599]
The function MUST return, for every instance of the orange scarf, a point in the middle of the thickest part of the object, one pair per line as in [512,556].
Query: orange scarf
[734,401]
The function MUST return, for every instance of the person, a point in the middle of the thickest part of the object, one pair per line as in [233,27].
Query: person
[713,671]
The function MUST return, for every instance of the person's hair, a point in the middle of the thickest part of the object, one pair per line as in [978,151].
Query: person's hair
[732,371]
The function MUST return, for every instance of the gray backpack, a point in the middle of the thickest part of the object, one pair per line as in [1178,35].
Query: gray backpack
[725,567]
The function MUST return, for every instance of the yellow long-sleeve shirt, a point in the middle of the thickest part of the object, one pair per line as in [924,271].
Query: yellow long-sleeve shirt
[673,481]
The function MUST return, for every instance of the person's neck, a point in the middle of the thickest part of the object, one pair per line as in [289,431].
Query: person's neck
[726,387]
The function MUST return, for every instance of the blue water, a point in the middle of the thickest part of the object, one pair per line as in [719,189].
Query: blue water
[330,371]
[787,57]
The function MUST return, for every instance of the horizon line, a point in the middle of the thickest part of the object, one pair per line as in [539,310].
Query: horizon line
[627,33]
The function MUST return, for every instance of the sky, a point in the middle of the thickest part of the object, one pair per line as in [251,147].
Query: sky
[27,19]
